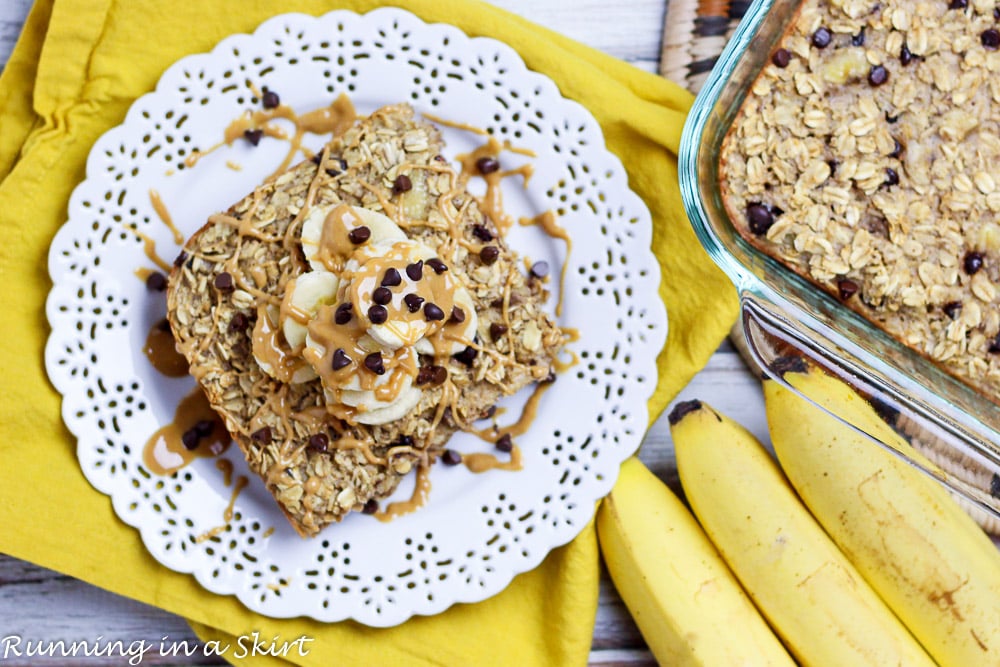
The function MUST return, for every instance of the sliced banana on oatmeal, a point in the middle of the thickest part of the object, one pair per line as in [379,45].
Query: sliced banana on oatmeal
[310,291]
[380,228]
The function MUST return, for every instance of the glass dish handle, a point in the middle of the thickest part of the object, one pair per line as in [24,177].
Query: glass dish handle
[964,461]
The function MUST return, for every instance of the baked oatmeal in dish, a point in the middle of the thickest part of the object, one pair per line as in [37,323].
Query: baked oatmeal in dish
[866,157]
[352,313]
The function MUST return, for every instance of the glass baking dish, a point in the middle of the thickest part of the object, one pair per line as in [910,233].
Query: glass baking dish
[957,428]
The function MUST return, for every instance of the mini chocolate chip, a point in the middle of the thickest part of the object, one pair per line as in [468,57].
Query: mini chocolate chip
[343,314]
[359,235]
[958,4]
[504,443]
[402,184]
[990,39]
[891,177]
[438,266]
[190,439]
[451,457]
[331,172]
[832,164]
[413,302]
[897,149]
[319,442]
[467,356]
[317,159]
[204,427]
[270,99]
[539,269]
[434,375]
[180,259]
[262,435]
[371,507]
[497,330]
[156,282]
[846,288]
[433,312]
[439,158]
[378,314]
[382,295]
[340,359]
[224,282]
[996,13]
[822,38]
[489,254]
[994,347]
[878,75]
[891,119]
[253,136]
[240,322]
[482,233]
[163,325]
[391,278]
[760,218]
[905,56]
[457,315]
[415,271]
[405,441]
[972,262]
[487,165]
[374,363]
[858,39]
[781,58]
[952,309]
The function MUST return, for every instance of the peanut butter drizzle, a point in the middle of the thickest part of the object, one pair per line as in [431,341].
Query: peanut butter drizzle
[524,421]
[161,351]
[234,165]
[225,466]
[259,276]
[421,491]
[269,532]
[479,462]
[165,454]
[164,215]
[149,247]
[335,246]
[270,346]
[547,221]
[289,311]
[455,124]
[227,515]
[490,203]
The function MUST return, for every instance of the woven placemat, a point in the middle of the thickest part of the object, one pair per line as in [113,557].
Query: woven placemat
[694,34]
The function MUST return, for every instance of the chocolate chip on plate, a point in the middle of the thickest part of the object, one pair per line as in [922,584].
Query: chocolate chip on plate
[204,427]
[371,507]
[190,439]
[374,363]
[359,235]
[539,269]
[451,457]
[504,443]
[340,359]
[253,136]
[270,99]
[156,282]
[487,165]
[378,314]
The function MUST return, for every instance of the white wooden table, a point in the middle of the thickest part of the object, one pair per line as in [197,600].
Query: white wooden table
[43,605]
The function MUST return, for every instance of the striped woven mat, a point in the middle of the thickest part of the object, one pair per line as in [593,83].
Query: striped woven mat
[694,34]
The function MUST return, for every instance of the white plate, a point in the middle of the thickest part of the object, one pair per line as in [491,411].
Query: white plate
[477,531]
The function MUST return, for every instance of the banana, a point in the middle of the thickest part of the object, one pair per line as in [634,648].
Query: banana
[310,291]
[686,602]
[809,592]
[926,558]
[382,229]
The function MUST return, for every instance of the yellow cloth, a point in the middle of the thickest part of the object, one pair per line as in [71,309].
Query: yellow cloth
[76,69]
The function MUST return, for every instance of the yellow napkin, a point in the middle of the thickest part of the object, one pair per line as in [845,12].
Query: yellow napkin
[76,69]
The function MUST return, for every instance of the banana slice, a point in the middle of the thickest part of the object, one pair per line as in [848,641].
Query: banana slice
[269,351]
[406,401]
[312,290]
[381,227]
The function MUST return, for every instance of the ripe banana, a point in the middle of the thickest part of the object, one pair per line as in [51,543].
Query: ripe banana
[813,597]
[926,558]
[686,602]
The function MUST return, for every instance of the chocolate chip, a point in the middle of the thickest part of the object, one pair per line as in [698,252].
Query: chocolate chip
[487,165]
[190,439]
[457,315]
[990,39]
[438,266]
[433,312]
[391,278]
[371,507]
[156,282]
[858,39]
[504,443]
[996,13]
[439,158]
[846,288]
[224,282]
[489,254]
[433,375]
[832,164]
[204,427]
[891,119]
[905,57]
[415,271]
[340,359]
[374,363]
[451,457]
[413,302]
[331,172]
[180,259]
[878,75]
[405,441]
[317,159]
[163,325]
[952,309]
[994,347]
[897,149]
[467,356]
[382,295]
[891,177]
[319,442]
[781,58]
[270,99]
[482,233]
[240,322]
[760,218]
[539,269]
[343,314]
[497,330]
[958,4]
[253,136]
[378,314]
[822,38]
[359,235]
[972,262]
[402,184]
[262,435]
